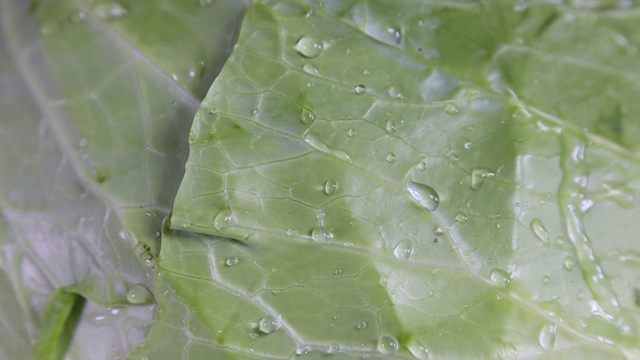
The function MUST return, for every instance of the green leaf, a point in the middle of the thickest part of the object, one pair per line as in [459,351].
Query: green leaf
[470,164]
[95,97]
[60,318]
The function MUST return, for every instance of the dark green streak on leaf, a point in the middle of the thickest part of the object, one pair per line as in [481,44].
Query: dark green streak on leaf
[60,318]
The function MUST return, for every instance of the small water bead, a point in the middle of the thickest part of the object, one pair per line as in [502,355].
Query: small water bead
[387,345]
[156,234]
[359,89]
[231,261]
[49,27]
[361,325]
[568,263]
[303,350]
[425,195]
[351,132]
[138,294]
[422,166]
[337,271]
[333,349]
[461,218]
[478,177]
[509,351]
[309,46]
[310,69]
[292,232]
[320,234]
[391,126]
[541,232]
[255,111]
[547,337]
[403,249]
[500,278]
[391,157]
[546,280]
[451,109]
[223,219]
[78,17]
[110,10]
[307,117]
[395,93]
[330,187]
[268,324]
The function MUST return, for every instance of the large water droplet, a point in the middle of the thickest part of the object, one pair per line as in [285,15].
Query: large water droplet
[320,234]
[403,249]
[478,177]
[541,232]
[547,337]
[500,278]
[223,219]
[387,345]
[309,46]
[330,187]
[359,89]
[138,294]
[231,261]
[307,117]
[425,195]
[269,324]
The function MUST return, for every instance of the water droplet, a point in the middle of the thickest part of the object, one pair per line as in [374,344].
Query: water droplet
[540,231]
[547,337]
[546,280]
[403,249]
[253,335]
[478,177]
[461,218]
[292,232]
[320,234]
[333,349]
[395,93]
[500,278]
[422,166]
[303,350]
[391,126]
[49,27]
[309,46]
[231,261]
[351,132]
[155,234]
[390,158]
[366,72]
[268,324]
[361,325]
[330,187]
[337,271]
[83,143]
[307,117]
[425,195]
[359,89]
[310,69]
[451,109]
[110,10]
[138,294]
[255,111]
[569,263]
[319,145]
[387,345]
[509,351]
[223,219]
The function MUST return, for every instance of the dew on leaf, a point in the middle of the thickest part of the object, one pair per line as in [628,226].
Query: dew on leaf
[223,219]
[310,69]
[359,89]
[391,126]
[309,46]
[478,177]
[78,17]
[307,116]
[337,271]
[541,232]
[333,349]
[390,158]
[231,261]
[387,345]
[568,263]
[546,280]
[49,27]
[509,351]
[351,132]
[361,325]
[451,109]
[292,232]
[109,10]
[403,249]
[155,234]
[268,324]
[255,111]
[395,93]
[330,187]
[461,218]
[303,350]
[422,166]
[547,337]
[425,195]
[500,278]
[320,234]
[138,294]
